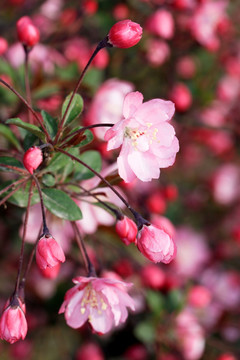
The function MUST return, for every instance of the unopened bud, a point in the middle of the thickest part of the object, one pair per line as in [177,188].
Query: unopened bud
[32,158]
[125,34]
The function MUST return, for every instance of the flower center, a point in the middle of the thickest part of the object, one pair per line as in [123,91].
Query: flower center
[92,299]
[134,134]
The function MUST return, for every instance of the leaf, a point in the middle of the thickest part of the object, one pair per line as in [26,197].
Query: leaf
[9,135]
[80,139]
[155,301]
[91,158]
[29,140]
[59,161]
[9,161]
[48,180]
[145,332]
[75,108]
[61,205]
[50,123]
[20,197]
[29,127]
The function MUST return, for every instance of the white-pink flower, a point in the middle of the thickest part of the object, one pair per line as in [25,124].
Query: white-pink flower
[101,302]
[148,140]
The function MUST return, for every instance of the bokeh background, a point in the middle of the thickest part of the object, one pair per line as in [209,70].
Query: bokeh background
[189,53]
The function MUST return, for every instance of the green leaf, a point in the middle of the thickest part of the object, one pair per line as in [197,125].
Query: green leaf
[29,140]
[61,205]
[9,135]
[145,332]
[50,123]
[29,127]
[9,161]
[59,161]
[48,180]
[155,301]
[91,158]
[75,108]
[20,197]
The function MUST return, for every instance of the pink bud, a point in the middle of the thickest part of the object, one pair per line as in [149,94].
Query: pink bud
[181,96]
[89,351]
[28,34]
[161,23]
[13,324]
[32,159]
[127,230]
[227,356]
[156,203]
[136,352]
[51,272]
[90,6]
[155,244]
[153,277]
[48,253]
[125,34]
[199,296]
[3,46]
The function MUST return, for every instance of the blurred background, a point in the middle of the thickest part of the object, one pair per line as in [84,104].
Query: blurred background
[190,54]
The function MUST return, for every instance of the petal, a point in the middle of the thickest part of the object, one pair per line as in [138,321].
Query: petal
[155,111]
[131,102]
[124,169]
[144,165]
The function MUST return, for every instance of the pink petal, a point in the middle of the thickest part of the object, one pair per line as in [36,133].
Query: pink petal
[144,165]
[124,169]
[131,102]
[155,111]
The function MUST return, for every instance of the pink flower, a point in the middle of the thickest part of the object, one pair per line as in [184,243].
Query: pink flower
[13,324]
[28,34]
[102,302]
[48,253]
[205,22]
[190,335]
[91,351]
[148,140]
[155,244]
[127,230]
[158,51]
[32,159]
[161,23]
[107,104]
[3,45]
[181,96]
[125,34]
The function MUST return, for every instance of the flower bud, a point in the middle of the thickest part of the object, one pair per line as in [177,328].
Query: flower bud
[90,351]
[127,230]
[155,244]
[48,253]
[3,46]
[13,324]
[125,34]
[28,34]
[32,158]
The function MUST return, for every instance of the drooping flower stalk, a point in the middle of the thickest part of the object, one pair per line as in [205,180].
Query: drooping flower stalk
[102,44]
[23,238]
[27,82]
[87,262]
[45,228]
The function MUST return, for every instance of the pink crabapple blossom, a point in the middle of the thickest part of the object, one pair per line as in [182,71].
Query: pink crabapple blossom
[32,158]
[48,252]
[125,34]
[148,140]
[127,230]
[156,244]
[101,302]
[13,324]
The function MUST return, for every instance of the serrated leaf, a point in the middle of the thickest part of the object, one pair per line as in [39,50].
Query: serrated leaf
[20,197]
[75,108]
[91,158]
[50,123]
[61,205]
[29,127]
[9,135]
[9,161]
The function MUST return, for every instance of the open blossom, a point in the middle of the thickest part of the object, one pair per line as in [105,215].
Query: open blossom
[205,23]
[102,302]
[13,324]
[148,140]
[156,244]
